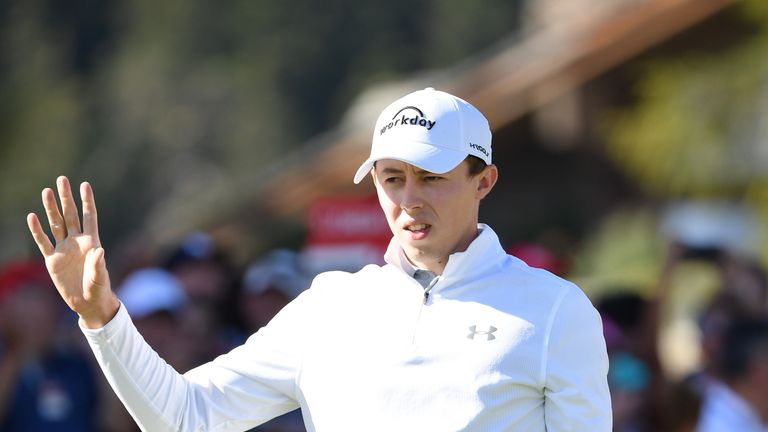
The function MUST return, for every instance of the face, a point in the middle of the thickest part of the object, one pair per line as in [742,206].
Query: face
[431,215]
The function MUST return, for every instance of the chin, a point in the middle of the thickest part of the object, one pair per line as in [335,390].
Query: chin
[418,253]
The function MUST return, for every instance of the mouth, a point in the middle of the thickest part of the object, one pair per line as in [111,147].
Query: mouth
[418,231]
[417,227]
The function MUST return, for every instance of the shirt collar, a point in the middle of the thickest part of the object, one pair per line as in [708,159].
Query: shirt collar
[484,251]
[403,262]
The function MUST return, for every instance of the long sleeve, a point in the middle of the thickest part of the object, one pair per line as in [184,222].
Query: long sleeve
[239,390]
[576,367]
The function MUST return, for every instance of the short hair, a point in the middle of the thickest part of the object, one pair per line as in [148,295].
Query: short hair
[476,165]
[745,340]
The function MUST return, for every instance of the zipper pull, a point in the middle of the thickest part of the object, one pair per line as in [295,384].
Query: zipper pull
[426,297]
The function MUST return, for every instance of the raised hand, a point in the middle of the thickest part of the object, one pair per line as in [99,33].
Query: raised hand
[76,262]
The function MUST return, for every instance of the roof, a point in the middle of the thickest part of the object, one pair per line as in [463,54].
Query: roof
[516,78]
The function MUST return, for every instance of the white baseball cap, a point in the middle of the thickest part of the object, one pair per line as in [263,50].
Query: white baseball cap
[278,271]
[151,290]
[430,129]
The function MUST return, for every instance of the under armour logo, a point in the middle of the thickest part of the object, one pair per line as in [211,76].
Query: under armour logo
[488,333]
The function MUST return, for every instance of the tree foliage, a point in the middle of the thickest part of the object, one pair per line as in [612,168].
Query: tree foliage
[699,129]
[159,102]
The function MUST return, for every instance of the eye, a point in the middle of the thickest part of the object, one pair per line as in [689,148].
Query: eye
[391,179]
[432,178]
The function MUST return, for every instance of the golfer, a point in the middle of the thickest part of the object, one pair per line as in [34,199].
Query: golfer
[452,334]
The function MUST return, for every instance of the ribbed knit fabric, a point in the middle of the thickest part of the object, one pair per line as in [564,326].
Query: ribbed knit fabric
[499,346]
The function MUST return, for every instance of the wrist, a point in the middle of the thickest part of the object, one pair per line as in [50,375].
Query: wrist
[102,316]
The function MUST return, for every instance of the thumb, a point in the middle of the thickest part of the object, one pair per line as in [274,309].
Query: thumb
[100,303]
[95,274]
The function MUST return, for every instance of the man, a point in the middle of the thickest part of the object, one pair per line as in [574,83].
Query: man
[739,402]
[43,386]
[452,334]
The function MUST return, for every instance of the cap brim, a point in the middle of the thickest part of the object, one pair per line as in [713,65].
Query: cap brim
[428,157]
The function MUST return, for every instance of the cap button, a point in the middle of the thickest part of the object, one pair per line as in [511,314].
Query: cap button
[430,88]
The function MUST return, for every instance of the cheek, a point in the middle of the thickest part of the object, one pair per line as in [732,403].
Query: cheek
[388,206]
[454,204]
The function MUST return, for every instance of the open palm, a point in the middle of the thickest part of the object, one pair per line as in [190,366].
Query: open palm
[76,262]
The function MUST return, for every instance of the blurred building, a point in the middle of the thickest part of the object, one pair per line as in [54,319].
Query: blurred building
[545,92]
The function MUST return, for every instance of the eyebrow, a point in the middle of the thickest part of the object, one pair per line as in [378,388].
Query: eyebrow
[399,171]
[391,171]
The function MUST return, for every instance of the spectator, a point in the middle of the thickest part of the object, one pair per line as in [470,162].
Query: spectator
[629,380]
[740,401]
[43,387]
[208,281]
[724,308]
[268,286]
[635,376]
[156,301]
[200,267]
[681,407]
[625,323]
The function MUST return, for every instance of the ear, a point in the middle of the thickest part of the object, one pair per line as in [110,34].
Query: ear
[486,181]
[374,177]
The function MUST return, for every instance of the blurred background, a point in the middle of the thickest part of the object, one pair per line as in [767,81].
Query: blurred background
[221,140]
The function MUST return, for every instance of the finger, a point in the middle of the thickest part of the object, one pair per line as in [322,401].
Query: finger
[90,218]
[58,229]
[42,240]
[96,275]
[68,205]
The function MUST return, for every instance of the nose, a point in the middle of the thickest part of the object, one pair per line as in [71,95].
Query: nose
[411,195]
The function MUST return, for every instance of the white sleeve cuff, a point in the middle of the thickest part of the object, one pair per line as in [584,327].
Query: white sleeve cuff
[118,322]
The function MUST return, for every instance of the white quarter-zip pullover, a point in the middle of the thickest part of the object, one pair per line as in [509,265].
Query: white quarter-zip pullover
[496,346]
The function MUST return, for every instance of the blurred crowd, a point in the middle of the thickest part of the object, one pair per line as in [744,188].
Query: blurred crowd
[192,304]
[726,335]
